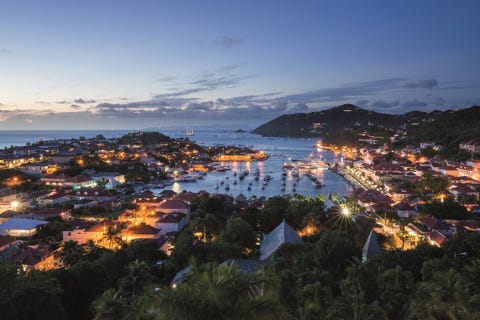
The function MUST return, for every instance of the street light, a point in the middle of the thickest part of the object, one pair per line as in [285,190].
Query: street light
[15,204]
[345,211]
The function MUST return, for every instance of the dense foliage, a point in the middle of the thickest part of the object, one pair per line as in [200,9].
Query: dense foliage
[322,278]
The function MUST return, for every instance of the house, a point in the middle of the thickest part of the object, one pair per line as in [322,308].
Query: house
[94,233]
[410,149]
[174,205]
[55,179]
[371,248]
[56,198]
[173,222]
[140,232]
[470,146]
[426,144]
[148,202]
[20,227]
[7,242]
[43,214]
[111,179]
[405,210]
[180,277]
[35,258]
[63,157]
[186,197]
[461,188]
[441,226]
[247,266]
[436,238]
[80,181]
[96,194]
[36,169]
[280,235]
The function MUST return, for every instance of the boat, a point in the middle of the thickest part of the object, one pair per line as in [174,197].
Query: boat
[227,187]
[249,188]
[189,132]
[267,178]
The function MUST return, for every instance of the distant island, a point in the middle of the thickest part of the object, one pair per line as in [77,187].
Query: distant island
[240,131]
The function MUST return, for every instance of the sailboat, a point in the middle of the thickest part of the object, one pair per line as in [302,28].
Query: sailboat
[189,132]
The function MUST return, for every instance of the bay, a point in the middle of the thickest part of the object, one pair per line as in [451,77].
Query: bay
[279,149]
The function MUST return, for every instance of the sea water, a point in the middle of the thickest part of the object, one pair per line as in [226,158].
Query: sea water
[280,150]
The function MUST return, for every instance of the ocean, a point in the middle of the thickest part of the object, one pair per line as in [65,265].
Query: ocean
[279,149]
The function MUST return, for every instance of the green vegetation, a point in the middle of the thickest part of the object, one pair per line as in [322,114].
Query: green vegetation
[322,278]
[144,138]
[333,121]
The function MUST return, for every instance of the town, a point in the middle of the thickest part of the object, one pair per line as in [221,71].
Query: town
[68,201]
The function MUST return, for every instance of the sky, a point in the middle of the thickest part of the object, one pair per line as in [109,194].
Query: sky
[150,63]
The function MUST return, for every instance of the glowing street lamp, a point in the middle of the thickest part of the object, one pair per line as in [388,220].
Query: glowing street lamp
[345,211]
[15,205]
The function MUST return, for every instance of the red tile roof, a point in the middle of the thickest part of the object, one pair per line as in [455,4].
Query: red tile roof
[174,204]
[5,240]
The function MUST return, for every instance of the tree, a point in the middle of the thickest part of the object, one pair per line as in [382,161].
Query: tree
[31,295]
[433,184]
[222,292]
[449,209]
[72,253]
[333,252]
[395,288]
[111,305]
[238,231]
[138,276]
[464,243]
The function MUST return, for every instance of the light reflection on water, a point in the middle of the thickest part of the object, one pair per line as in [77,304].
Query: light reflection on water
[280,150]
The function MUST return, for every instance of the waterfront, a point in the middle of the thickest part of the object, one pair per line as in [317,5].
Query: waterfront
[279,149]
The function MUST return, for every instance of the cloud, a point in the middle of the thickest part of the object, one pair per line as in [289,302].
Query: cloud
[363,103]
[5,51]
[75,106]
[82,101]
[75,101]
[412,104]
[426,84]
[345,92]
[223,77]
[166,79]
[381,104]
[439,101]
[230,42]
[299,107]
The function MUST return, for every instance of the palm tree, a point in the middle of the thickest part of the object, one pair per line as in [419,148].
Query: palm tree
[220,293]
[72,253]
[138,276]
[111,305]
[113,235]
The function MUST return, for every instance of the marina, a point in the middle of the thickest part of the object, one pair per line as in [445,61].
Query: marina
[293,166]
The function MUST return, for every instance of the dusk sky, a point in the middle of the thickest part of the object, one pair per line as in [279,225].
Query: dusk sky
[139,64]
